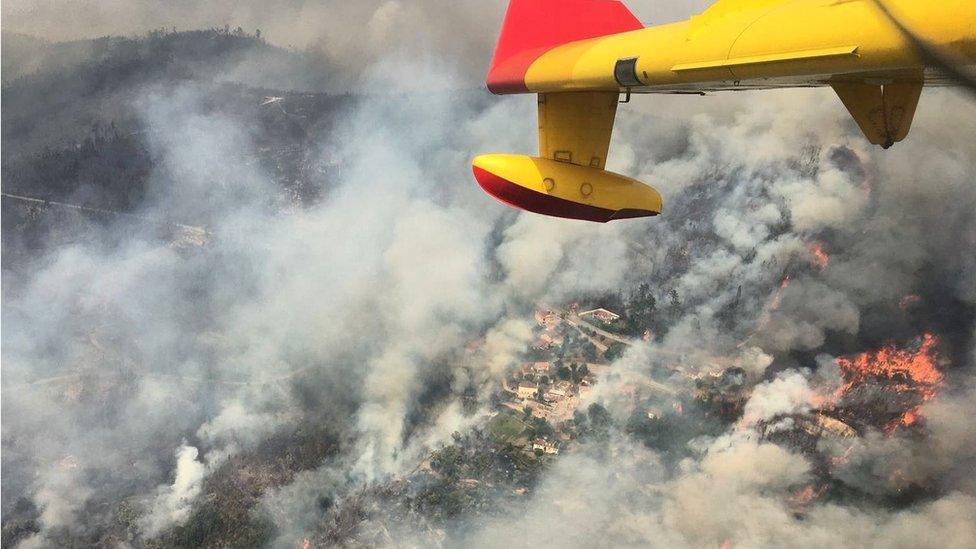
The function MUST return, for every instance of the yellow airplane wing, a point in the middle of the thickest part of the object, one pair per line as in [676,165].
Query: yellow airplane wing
[579,55]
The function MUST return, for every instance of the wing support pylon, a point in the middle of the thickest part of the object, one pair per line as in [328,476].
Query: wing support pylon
[884,112]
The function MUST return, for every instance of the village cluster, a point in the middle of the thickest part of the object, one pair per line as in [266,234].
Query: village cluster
[541,395]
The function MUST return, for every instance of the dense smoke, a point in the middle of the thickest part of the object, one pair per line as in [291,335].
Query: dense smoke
[137,369]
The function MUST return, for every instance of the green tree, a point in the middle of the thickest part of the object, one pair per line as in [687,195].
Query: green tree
[675,305]
[580,373]
[598,415]
[598,422]
[614,351]
[589,351]
[542,428]
[641,308]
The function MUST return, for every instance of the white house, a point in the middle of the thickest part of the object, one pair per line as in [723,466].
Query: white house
[604,315]
[544,445]
[527,389]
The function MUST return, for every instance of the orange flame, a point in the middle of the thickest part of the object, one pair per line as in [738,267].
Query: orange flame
[908,370]
[889,362]
[818,257]
[909,417]
[805,496]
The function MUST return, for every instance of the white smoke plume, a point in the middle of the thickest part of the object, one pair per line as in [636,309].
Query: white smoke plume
[788,393]
[173,503]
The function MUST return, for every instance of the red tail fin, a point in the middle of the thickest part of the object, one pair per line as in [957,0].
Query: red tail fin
[533,27]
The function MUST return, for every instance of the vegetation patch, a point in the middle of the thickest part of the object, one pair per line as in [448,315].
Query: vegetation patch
[506,427]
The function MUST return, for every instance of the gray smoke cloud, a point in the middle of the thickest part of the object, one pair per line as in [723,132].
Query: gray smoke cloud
[360,302]
[134,369]
[771,190]
[735,494]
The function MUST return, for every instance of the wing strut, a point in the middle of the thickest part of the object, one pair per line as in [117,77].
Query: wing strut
[576,127]
[883,112]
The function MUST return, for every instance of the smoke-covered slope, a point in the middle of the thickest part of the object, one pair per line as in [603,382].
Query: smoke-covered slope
[55,93]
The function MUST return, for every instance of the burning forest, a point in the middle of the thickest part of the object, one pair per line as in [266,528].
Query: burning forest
[271,316]
[910,376]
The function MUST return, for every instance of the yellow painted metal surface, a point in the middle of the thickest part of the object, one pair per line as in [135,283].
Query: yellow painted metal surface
[576,127]
[571,182]
[757,42]
[843,51]
[883,112]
